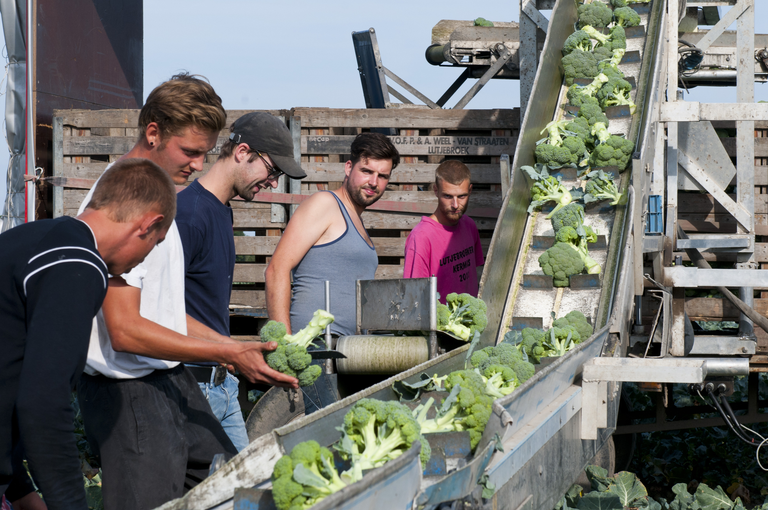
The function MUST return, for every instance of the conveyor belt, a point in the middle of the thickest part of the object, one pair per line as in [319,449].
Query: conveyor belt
[537,424]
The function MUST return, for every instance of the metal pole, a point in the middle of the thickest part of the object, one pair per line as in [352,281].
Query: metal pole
[432,317]
[328,338]
[30,185]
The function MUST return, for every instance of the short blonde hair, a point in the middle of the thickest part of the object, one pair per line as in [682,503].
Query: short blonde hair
[132,187]
[184,100]
[453,172]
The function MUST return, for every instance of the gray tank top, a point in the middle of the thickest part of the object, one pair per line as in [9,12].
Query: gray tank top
[342,262]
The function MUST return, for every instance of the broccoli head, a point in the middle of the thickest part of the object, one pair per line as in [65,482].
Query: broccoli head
[579,40]
[560,262]
[571,152]
[601,186]
[578,238]
[546,189]
[626,17]
[615,151]
[306,476]
[375,432]
[571,215]
[579,64]
[500,380]
[462,315]
[619,3]
[595,14]
[482,22]
[557,341]
[291,356]
[616,92]
[577,320]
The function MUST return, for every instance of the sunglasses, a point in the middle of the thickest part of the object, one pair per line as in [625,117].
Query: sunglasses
[274,173]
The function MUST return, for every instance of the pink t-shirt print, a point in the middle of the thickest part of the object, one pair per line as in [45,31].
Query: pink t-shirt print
[452,253]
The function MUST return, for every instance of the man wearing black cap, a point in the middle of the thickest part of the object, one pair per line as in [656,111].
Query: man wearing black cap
[258,152]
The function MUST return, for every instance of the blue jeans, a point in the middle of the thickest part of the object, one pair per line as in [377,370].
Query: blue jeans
[226,408]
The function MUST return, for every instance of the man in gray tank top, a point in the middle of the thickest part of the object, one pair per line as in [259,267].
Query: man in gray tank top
[326,240]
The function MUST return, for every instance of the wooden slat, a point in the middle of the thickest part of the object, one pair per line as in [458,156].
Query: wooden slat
[256,245]
[250,273]
[404,173]
[386,272]
[246,219]
[110,145]
[469,145]
[130,118]
[409,118]
[719,308]
[252,298]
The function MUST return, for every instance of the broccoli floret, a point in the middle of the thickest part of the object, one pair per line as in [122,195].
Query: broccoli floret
[580,127]
[506,354]
[626,17]
[561,261]
[462,315]
[595,14]
[618,38]
[482,22]
[602,53]
[601,186]
[578,98]
[615,151]
[473,405]
[616,92]
[305,477]
[577,320]
[291,356]
[579,64]
[579,40]
[619,3]
[552,156]
[525,369]
[571,215]
[477,358]
[593,114]
[375,432]
[546,189]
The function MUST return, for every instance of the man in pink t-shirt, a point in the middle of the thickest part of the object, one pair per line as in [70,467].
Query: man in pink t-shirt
[446,244]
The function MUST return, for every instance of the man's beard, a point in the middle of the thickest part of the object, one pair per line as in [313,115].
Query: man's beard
[359,198]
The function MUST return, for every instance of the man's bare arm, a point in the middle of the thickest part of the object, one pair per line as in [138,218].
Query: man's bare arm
[130,332]
[197,329]
[307,225]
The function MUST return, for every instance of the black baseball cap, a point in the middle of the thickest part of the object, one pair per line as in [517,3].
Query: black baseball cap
[266,133]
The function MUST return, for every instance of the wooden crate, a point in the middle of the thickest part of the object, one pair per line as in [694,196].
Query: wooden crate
[424,139]
[85,142]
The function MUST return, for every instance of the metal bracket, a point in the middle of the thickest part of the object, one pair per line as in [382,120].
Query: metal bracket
[599,371]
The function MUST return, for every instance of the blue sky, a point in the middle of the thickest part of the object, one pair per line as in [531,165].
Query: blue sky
[279,55]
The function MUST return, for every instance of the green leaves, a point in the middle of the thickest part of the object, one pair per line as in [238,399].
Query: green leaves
[599,501]
[628,488]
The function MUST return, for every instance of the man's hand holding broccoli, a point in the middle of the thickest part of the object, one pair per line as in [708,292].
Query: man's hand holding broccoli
[290,356]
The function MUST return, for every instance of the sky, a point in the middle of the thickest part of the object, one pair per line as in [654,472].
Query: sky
[280,55]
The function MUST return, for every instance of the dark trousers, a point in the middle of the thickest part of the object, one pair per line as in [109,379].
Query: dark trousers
[155,436]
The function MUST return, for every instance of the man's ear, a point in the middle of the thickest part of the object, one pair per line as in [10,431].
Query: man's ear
[470,188]
[152,134]
[242,152]
[347,168]
[148,223]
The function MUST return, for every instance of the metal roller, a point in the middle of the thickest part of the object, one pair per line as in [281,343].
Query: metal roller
[369,354]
